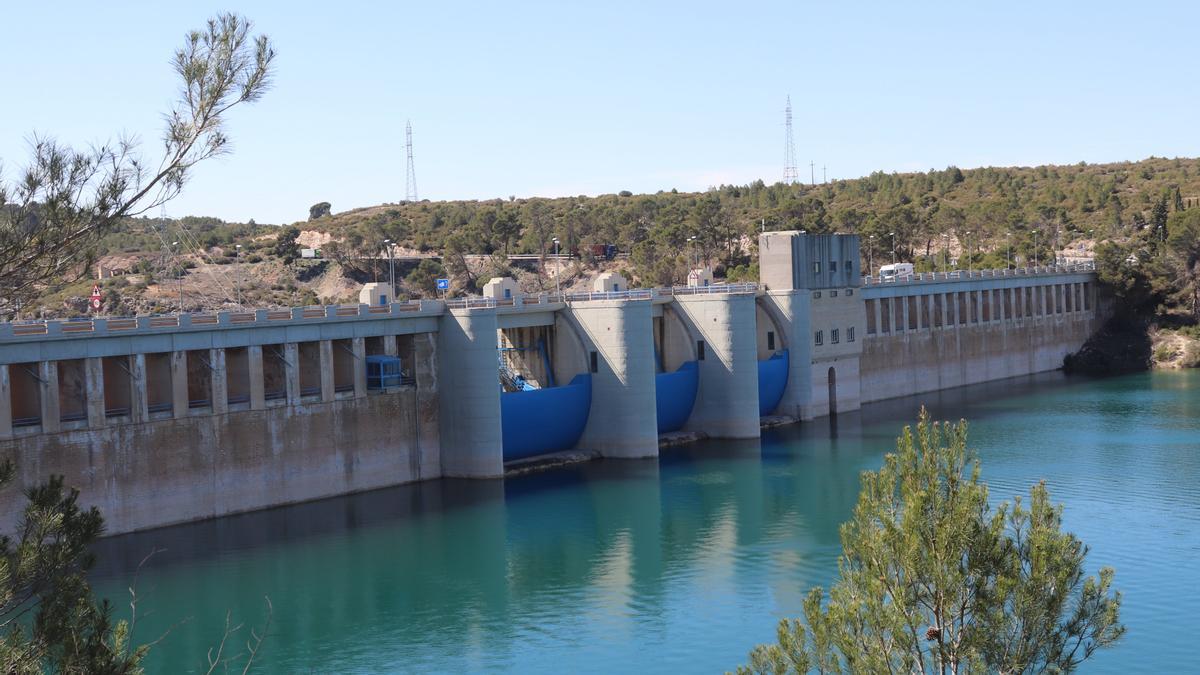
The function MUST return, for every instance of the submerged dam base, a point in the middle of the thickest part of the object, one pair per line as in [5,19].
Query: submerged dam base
[168,419]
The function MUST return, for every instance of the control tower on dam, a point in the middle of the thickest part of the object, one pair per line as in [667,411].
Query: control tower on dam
[166,419]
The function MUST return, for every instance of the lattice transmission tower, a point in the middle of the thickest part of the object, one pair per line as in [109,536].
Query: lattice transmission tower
[410,193]
[790,175]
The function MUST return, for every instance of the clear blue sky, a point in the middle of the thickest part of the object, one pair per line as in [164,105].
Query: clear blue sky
[552,99]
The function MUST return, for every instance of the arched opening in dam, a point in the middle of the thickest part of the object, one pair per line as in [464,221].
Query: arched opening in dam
[546,388]
[773,358]
[677,375]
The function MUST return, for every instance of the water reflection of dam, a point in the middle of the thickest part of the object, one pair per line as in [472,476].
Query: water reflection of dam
[460,568]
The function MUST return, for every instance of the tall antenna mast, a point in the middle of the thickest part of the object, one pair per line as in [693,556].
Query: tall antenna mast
[790,175]
[410,193]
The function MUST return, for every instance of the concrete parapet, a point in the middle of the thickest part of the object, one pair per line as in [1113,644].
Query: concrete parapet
[727,402]
[623,420]
[468,388]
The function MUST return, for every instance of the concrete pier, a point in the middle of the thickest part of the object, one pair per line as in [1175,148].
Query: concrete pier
[727,401]
[470,434]
[622,422]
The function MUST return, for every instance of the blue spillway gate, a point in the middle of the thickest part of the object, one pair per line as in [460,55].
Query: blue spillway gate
[383,371]
[772,380]
[541,421]
[675,395]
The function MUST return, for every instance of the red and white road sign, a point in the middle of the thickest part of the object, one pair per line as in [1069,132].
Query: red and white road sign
[97,299]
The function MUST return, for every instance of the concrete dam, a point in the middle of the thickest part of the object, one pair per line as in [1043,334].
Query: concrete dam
[167,419]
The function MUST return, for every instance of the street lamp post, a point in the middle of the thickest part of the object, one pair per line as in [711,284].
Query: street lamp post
[391,268]
[970,263]
[178,273]
[945,252]
[1008,256]
[870,255]
[893,247]
[238,253]
[1035,251]
[557,269]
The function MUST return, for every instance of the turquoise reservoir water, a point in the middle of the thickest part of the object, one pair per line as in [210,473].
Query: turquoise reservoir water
[675,565]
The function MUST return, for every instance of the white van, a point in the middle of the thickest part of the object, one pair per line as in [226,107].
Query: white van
[895,271]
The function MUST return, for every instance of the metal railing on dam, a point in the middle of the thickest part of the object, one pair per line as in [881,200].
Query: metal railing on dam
[119,326]
[631,294]
[34,330]
[970,275]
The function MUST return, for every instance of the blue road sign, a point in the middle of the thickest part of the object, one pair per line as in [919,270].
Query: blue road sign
[443,284]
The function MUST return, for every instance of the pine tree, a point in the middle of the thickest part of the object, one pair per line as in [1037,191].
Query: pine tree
[933,579]
[49,620]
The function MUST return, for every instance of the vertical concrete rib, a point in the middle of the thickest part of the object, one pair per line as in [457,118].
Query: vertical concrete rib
[139,402]
[623,421]
[254,366]
[469,395]
[5,402]
[359,347]
[727,402]
[219,377]
[179,384]
[291,371]
[51,415]
[326,351]
[94,391]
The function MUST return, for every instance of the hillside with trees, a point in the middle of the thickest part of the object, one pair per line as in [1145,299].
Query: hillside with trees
[941,218]
[978,212]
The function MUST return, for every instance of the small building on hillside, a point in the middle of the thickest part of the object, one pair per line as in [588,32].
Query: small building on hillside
[376,293]
[701,276]
[111,266]
[610,282]
[502,288]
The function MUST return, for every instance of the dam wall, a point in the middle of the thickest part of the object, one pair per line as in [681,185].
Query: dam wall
[934,334]
[172,471]
[166,419]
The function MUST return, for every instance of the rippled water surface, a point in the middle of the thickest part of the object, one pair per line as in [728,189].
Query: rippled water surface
[675,565]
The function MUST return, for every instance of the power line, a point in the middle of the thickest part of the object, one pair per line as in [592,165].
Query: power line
[790,175]
[410,193]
